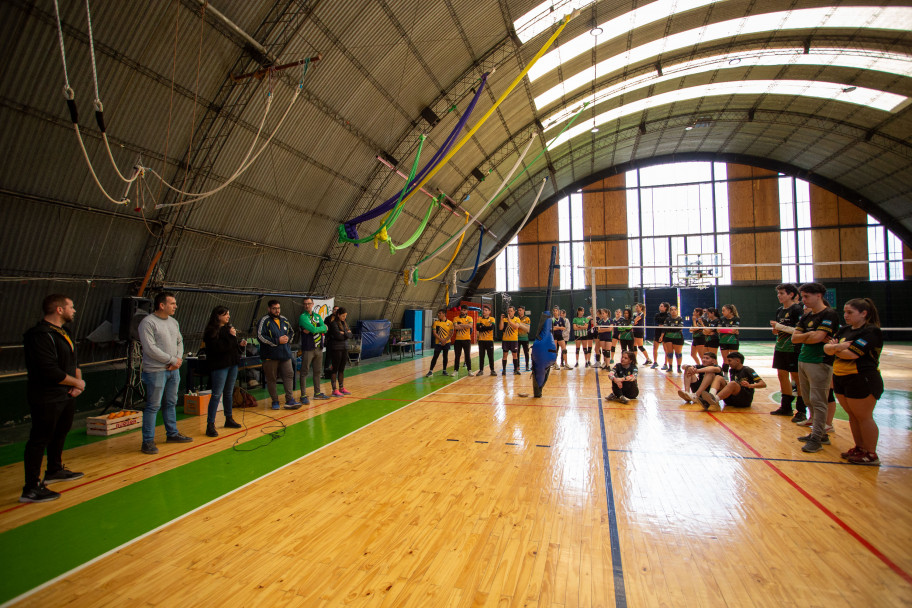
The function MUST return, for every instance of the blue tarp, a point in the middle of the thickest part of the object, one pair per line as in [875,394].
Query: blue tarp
[374,336]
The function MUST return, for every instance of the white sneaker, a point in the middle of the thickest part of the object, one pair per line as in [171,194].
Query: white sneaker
[687,397]
[829,428]
[567,366]
[808,422]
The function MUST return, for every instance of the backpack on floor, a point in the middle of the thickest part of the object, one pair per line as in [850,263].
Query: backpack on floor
[242,398]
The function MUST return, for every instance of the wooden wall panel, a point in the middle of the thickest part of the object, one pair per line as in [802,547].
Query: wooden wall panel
[907,266]
[743,251]
[850,213]
[824,208]
[740,204]
[528,266]
[595,256]
[488,280]
[768,251]
[616,255]
[544,258]
[825,248]
[853,246]
[766,202]
[615,212]
[547,224]
[529,233]
[593,213]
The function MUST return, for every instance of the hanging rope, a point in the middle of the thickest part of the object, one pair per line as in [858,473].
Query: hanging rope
[493,108]
[350,226]
[481,232]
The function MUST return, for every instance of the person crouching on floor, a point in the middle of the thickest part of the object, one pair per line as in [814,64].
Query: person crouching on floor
[624,379]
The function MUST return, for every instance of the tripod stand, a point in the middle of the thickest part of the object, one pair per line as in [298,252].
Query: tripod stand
[133,387]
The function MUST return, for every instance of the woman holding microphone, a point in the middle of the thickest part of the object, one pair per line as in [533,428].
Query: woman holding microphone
[223,354]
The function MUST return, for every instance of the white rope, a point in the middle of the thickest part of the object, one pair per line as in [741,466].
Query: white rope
[67,91]
[92,55]
[240,170]
[85,155]
[472,220]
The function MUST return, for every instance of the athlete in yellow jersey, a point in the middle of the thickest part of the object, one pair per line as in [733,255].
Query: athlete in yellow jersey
[510,326]
[443,331]
[485,328]
[464,325]
[524,334]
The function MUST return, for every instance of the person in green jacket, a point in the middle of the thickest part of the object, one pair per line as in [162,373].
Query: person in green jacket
[312,332]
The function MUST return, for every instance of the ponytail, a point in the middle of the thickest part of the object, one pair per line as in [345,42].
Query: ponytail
[866,305]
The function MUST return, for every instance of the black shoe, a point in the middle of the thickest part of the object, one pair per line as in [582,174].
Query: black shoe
[63,474]
[493,373]
[231,423]
[178,439]
[148,447]
[323,396]
[516,372]
[503,372]
[799,417]
[782,411]
[577,364]
[429,374]
[210,430]
[293,405]
[39,494]
[655,365]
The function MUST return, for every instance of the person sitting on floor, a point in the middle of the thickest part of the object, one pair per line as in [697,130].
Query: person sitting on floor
[624,379]
[739,390]
[700,379]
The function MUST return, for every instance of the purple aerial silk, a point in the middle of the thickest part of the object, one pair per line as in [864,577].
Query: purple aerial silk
[351,225]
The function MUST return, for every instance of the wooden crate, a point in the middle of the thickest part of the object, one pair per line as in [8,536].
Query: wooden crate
[198,405]
[105,425]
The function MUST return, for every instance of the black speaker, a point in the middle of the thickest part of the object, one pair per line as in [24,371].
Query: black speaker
[126,314]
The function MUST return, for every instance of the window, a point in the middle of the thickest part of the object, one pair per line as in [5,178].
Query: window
[506,267]
[795,230]
[883,249]
[677,209]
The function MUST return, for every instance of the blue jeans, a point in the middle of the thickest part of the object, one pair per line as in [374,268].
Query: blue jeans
[158,385]
[222,381]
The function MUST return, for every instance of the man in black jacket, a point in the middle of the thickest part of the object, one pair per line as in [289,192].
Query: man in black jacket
[54,382]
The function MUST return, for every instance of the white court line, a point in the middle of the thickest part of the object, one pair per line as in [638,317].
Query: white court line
[60,577]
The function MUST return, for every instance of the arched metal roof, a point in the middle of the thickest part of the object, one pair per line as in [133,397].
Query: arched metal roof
[820,87]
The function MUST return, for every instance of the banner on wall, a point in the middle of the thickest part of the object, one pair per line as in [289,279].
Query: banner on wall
[324,307]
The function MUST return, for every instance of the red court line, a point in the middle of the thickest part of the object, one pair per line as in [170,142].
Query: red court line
[870,547]
[172,454]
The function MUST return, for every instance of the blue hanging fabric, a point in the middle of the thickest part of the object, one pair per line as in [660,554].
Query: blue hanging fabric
[477,256]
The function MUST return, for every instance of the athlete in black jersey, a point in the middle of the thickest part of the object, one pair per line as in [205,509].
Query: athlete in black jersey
[673,340]
[659,334]
[698,340]
[639,330]
[785,354]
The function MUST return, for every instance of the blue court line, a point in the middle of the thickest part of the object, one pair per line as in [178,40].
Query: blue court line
[760,458]
[620,593]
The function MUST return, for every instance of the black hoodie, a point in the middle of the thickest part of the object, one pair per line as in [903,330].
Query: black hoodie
[50,356]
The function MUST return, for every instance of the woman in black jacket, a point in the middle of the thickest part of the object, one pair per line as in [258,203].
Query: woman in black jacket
[337,347]
[223,354]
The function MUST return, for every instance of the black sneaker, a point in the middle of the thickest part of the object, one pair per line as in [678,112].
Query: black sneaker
[611,397]
[148,447]
[427,375]
[444,373]
[655,365]
[623,399]
[289,405]
[799,417]
[231,423]
[63,474]
[825,440]
[577,364]
[503,372]
[178,439]
[782,411]
[322,396]
[813,445]
[210,430]
[39,494]
[493,373]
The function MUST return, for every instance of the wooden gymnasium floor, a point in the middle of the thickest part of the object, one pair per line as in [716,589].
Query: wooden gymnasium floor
[443,492]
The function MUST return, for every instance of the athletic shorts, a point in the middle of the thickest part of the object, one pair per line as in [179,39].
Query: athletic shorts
[511,346]
[558,335]
[860,385]
[786,361]
[639,332]
[660,336]
[698,340]
[674,341]
[742,399]
[604,337]
[580,334]
[730,346]
[712,341]
[695,385]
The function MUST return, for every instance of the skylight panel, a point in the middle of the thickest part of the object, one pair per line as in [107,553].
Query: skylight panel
[851,17]
[613,28]
[893,63]
[543,16]
[871,98]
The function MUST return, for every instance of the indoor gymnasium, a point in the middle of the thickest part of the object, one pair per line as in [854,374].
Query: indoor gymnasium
[456,303]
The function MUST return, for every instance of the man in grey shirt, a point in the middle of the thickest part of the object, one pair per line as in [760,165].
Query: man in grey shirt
[162,356]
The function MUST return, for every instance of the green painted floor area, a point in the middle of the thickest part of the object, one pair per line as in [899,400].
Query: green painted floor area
[53,545]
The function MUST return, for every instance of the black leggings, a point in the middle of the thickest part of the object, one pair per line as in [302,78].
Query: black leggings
[524,345]
[463,346]
[630,390]
[339,360]
[485,346]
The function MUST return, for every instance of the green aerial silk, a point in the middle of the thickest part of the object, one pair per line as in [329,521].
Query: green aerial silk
[390,218]
[447,242]
[411,241]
